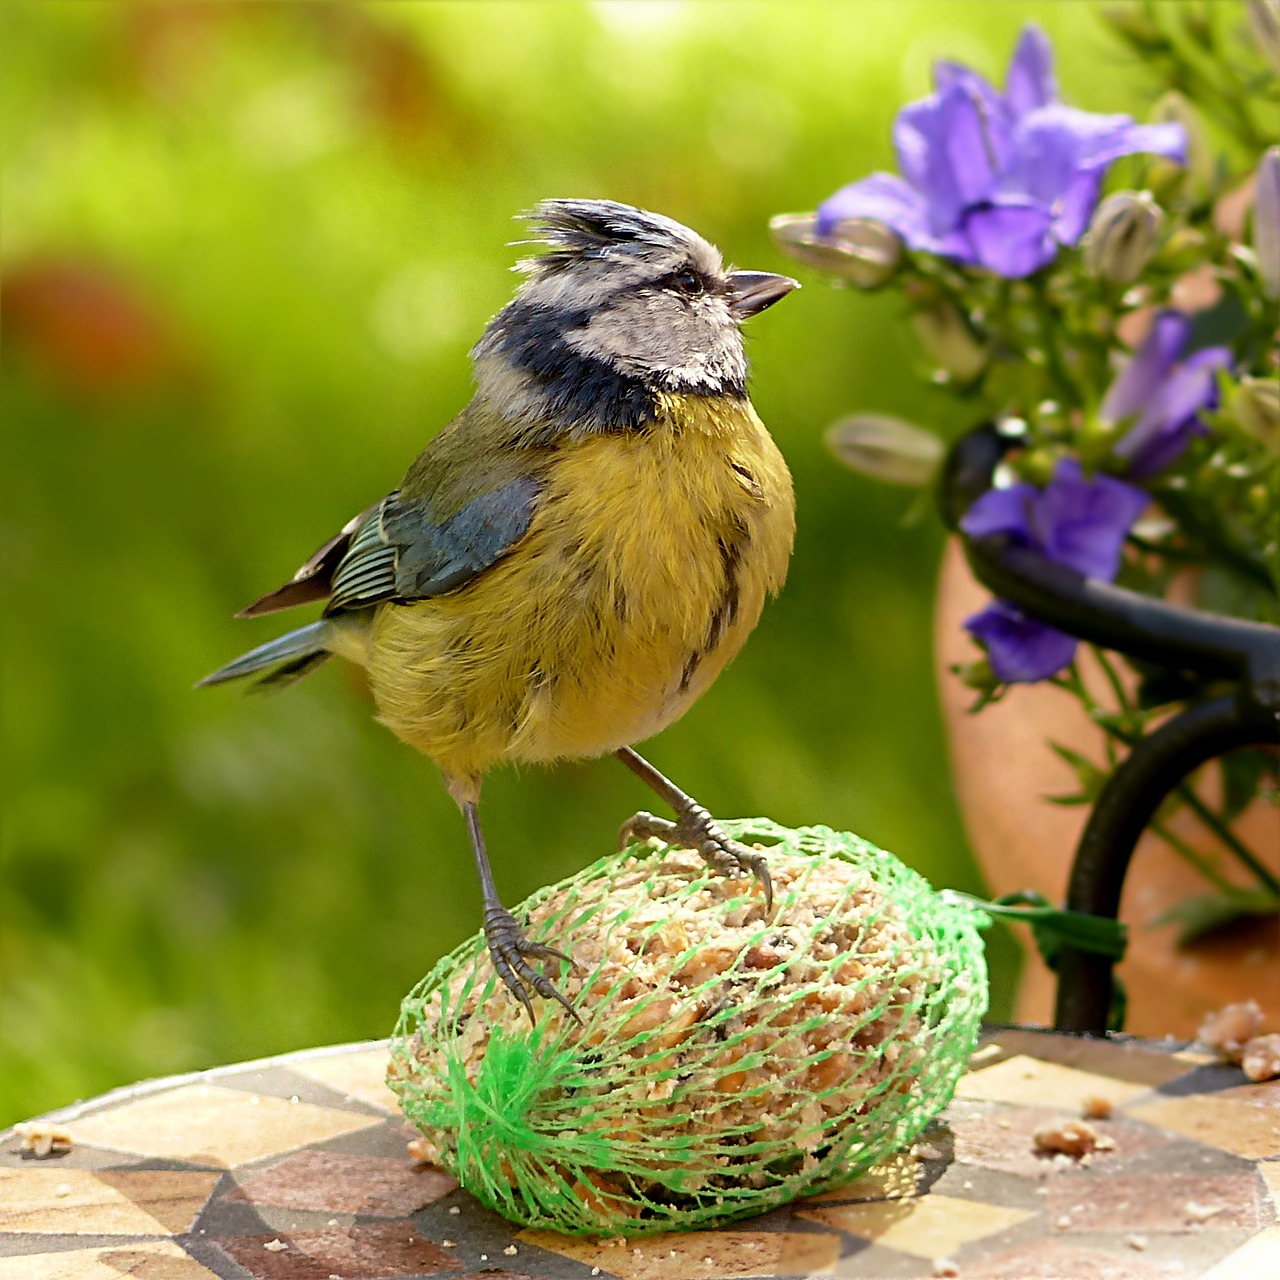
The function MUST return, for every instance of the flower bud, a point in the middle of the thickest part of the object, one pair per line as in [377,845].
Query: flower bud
[1036,467]
[1266,222]
[1264,22]
[948,337]
[1122,236]
[860,250]
[1255,405]
[978,676]
[887,448]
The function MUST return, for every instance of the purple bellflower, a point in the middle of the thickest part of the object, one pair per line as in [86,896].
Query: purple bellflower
[1162,395]
[1073,521]
[998,180]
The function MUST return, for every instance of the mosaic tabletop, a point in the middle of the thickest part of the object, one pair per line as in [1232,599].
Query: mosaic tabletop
[298,1168]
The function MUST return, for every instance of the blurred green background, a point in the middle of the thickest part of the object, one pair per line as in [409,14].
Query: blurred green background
[246,248]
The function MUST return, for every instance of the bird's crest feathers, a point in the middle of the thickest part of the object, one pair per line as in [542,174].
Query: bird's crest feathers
[578,230]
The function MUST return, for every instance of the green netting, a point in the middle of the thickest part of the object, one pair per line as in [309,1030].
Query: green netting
[727,1062]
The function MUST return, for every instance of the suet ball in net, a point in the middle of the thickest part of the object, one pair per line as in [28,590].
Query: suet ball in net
[727,1061]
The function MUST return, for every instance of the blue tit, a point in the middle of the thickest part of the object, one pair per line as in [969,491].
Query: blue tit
[572,561]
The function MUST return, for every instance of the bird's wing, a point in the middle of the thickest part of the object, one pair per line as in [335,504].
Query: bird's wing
[466,500]
[315,579]
[396,550]
[402,553]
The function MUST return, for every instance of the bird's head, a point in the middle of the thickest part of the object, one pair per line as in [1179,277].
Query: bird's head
[622,304]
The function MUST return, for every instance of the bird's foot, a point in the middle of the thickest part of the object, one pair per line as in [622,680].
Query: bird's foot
[697,829]
[508,947]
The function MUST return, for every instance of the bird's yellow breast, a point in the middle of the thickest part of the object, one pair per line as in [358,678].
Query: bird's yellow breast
[645,568]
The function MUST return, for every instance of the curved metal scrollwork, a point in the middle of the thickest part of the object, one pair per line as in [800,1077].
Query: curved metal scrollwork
[1242,658]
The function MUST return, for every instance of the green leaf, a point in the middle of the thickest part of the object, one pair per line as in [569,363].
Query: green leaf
[1242,774]
[1068,801]
[1091,778]
[1052,927]
[1218,325]
[1207,912]
[1125,723]
[1119,1005]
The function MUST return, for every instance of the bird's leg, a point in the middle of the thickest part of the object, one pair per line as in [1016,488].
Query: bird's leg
[508,945]
[694,827]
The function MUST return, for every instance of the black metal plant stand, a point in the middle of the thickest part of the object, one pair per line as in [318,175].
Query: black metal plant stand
[1242,709]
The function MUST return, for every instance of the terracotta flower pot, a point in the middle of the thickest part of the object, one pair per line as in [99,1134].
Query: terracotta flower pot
[1004,769]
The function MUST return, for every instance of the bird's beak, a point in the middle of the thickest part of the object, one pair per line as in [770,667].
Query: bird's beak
[752,291]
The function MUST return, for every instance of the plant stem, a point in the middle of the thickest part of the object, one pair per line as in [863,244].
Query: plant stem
[1211,820]
[1122,698]
[1045,318]
[1228,837]
[1202,865]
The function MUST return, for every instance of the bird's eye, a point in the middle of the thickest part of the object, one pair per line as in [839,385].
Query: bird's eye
[688,282]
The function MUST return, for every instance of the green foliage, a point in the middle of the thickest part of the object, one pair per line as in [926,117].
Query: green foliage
[1208,912]
[1174,278]
[245,249]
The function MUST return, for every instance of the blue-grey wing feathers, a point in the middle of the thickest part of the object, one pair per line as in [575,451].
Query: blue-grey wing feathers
[395,551]
[291,655]
[436,558]
[366,574]
[313,580]
[401,554]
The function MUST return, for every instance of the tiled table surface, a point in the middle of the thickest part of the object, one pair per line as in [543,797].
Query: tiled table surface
[296,1169]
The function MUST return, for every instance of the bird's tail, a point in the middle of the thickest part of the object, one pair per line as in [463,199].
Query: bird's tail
[285,659]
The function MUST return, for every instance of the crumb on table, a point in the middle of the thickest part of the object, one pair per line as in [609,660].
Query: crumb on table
[42,1138]
[1096,1108]
[1075,1138]
[1260,1058]
[422,1151]
[1227,1030]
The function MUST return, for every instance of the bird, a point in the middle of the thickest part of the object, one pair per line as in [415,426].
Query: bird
[574,558]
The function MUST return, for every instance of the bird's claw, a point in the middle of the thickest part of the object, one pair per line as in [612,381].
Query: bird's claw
[646,826]
[698,830]
[509,947]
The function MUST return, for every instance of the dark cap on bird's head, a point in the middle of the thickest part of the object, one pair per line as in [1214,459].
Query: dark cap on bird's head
[621,305]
